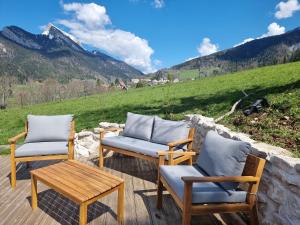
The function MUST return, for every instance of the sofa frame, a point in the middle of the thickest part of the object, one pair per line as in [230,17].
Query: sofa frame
[14,160]
[171,161]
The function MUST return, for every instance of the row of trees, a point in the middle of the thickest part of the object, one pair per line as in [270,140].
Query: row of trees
[33,92]
[6,89]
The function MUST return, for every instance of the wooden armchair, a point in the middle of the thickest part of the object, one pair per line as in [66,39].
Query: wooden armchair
[198,193]
[46,149]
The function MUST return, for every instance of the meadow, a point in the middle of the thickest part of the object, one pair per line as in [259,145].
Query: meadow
[211,96]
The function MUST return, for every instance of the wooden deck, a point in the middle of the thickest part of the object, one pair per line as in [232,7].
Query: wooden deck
[140,199]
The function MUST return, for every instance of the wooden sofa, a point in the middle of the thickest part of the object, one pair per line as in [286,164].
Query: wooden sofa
[144,136]
[212,184]
[46,138]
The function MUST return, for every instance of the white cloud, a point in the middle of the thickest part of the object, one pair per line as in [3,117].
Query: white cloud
[207,47]
[273,29]
[91,14]
[287,9]
[159,3]
[89,23]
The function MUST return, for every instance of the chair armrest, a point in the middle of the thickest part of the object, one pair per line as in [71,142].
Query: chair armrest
[164,153]
[16,138]
[106,130]
[219,179]
[112,129]
[180,142]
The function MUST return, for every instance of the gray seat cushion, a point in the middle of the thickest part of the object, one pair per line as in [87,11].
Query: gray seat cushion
[48,128]
[135,145]
[42,148]
[221,156]
[202,192]
[166,131]
[138,126]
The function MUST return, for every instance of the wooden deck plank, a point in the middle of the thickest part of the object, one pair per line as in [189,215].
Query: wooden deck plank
[141,207]
[130,216]
[53,208]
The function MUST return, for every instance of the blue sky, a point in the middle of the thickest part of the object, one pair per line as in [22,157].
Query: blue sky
[152,34]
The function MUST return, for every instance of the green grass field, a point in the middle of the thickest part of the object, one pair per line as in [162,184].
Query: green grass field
[212,96]
[193,74]
[187,74]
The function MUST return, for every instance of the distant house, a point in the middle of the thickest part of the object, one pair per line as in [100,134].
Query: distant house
[154,82]
[135,81]
[146,81]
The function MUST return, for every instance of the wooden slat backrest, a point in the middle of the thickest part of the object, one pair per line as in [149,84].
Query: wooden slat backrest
[254,166]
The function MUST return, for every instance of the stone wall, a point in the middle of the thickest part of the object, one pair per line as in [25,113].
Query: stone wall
[279,192]
[87,142]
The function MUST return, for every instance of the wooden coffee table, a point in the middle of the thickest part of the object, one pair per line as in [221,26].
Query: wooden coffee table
[79,182]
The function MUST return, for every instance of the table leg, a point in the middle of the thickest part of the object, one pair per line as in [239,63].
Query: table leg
[34,198]
[83,214]
[121,199]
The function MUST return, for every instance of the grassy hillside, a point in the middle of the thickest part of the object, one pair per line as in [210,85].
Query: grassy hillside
[212,96]
[187,74]
[194,74]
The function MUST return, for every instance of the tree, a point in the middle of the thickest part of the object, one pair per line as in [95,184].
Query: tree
[6,89]
[99,82]
[170,77]
[295,56]
[140,84]
[117,82]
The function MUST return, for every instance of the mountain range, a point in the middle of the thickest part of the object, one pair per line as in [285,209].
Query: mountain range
[55,54]
[259,52]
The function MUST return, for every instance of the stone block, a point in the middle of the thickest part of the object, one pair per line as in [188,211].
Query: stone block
[108,125]
[277,191]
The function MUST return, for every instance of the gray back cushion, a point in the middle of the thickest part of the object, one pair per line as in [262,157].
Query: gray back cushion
[221,156]
[48,128]
[138,126]
[166,131]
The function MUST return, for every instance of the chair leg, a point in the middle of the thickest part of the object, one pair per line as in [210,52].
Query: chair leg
[101,158]
[71,150]
[13,174]
[186,218]
[187,203]
[159,194]
[254,216]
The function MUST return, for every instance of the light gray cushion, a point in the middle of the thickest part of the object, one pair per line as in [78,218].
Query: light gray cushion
[48,128]
[202,192]
[166,131]
[42,148]
[138,126]
[221,156]
[135,145]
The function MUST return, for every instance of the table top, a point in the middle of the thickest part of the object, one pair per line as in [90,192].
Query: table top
[76,180]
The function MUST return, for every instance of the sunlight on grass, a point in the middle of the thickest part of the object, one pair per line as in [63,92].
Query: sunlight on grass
[211,96]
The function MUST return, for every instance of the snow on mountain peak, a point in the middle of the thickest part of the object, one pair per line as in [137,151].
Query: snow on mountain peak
[53,31]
